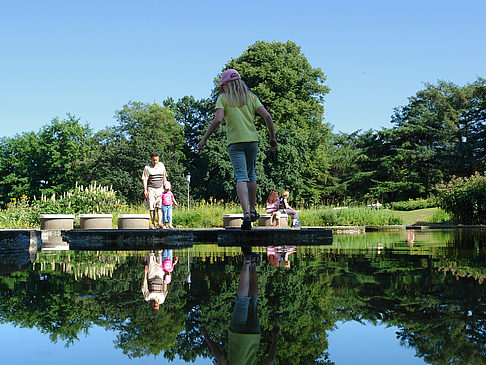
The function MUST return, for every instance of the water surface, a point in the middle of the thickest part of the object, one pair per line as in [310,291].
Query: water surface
[410,298]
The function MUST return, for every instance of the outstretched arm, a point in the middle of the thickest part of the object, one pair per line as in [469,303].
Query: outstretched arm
[215,349]
[218,118]
[269,122]
[272,353]
[145,290]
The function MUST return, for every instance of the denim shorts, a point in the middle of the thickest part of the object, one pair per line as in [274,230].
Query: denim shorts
[243,158]
[244,318]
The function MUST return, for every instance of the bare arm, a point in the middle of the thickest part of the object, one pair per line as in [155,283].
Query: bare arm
[215,349]
[145,179]
[272,353]
[145,283]
[269,122]
[218,118]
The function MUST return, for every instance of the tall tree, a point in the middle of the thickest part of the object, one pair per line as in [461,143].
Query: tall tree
[293,92]
[126,149]
[418,150]
[193,115]
[50,161]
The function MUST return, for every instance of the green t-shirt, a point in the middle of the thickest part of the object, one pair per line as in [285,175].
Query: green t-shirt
[242,348]
[239,120]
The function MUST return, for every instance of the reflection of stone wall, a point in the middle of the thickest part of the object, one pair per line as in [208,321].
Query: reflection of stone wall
[19,239]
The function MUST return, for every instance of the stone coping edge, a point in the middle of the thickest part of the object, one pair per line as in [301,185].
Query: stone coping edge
[96,216]
[56,216]
[146,216]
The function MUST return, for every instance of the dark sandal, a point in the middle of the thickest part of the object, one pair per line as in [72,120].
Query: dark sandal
[254,215]
[246,225]
[255,258]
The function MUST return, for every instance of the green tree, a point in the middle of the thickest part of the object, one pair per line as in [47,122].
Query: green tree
[126,148]
[48,162]
[194,115]
[418,151]
[293,92]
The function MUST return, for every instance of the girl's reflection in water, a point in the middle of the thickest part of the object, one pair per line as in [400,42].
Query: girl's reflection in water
[244,330]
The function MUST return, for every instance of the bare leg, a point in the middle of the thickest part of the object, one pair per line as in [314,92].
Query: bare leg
[252,191]
[159,216]
[242,191]
[253,291]
[152,217]
[215,349]
[244,282]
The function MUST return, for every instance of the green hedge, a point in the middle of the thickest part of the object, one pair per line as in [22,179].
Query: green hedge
[415,204]
[464,198]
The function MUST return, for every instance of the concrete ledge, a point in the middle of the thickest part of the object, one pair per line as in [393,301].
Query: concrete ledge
[95,221]
[264,236]
[20,240]
[384,228]
[133,221]
[127,239]
[57,221]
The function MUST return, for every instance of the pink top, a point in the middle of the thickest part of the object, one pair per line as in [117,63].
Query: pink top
[167,265]
[167,198]
[273,207]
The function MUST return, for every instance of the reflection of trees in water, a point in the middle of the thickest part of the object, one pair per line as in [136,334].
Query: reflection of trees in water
[441,317]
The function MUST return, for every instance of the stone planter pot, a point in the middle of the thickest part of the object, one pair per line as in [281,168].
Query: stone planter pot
[133,221]
[95,221]
[57,221]
[232,220]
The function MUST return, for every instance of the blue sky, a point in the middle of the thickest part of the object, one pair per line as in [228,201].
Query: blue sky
[89,58]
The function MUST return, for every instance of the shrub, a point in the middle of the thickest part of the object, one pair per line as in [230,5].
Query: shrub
[464,198]
[357,216]
[25,212]
[415,204]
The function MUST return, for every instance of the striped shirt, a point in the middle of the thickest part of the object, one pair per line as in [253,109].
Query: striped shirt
[154,176]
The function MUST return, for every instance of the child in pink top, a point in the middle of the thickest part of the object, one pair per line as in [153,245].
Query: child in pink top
[168,264]
[167,199]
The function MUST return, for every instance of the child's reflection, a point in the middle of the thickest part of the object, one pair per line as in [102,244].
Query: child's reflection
[156,277]
[275,254]
[244,329]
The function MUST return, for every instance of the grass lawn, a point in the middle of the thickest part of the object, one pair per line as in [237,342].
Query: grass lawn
[415,216]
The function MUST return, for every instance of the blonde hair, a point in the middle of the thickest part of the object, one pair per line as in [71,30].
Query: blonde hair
[236,93]
[285,193]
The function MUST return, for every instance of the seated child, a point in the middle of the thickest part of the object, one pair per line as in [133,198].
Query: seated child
[273,203]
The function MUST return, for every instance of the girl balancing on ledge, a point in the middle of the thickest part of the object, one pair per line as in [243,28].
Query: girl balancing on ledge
[237,105]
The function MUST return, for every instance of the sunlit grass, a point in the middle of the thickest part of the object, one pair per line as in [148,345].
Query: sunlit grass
[208,214]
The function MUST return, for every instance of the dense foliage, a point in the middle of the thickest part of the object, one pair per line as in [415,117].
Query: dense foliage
[25,213]
[440,132]
[464,198]
[413,204]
